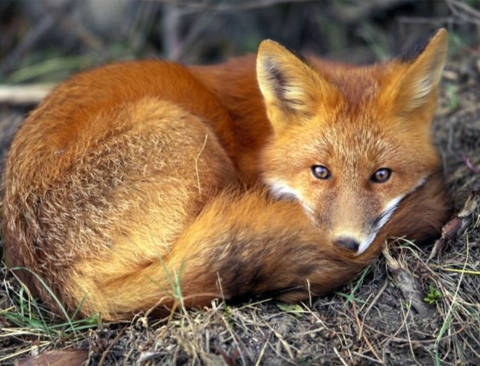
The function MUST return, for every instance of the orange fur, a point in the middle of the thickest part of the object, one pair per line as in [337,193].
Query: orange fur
[132,177]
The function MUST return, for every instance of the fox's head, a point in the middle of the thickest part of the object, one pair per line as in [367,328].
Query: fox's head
[349,143]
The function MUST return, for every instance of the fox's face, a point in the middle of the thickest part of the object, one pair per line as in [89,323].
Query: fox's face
[349,143]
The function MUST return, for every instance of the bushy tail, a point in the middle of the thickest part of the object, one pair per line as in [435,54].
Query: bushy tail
[248,244]
[239,245]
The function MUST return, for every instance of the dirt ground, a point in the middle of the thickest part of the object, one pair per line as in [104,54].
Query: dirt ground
[412,306]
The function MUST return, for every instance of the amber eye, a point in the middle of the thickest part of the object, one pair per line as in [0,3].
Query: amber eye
[381,175]
[320,172]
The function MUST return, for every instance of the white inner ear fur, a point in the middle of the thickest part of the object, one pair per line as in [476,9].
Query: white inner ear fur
[426,79]
[279,85]
[387,212]
[423,88]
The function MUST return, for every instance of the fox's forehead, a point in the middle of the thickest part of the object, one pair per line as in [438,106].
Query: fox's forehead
[356,84]
[341,142]
[353,123]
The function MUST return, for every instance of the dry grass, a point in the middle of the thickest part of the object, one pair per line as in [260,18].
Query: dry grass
[412,306]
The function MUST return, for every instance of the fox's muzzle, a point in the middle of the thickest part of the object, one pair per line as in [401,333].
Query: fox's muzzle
[361,242]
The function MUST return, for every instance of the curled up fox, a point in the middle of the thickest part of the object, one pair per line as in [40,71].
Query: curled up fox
[265,175]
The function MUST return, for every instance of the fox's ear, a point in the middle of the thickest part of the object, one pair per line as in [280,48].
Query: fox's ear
[289,86]
[419,83]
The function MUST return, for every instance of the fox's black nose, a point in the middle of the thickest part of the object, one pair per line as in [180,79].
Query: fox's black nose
[348,243]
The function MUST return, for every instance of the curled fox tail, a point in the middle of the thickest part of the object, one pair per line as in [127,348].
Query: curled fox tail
[244,245]
[240,244]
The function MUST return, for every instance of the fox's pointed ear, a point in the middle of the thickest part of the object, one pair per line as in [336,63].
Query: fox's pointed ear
[289,86]
[419,83]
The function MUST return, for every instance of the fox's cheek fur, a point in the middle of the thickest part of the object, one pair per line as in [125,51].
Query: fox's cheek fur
[387,212]
[281,189]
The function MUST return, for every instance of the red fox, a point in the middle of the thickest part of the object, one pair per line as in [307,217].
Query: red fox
[142,185]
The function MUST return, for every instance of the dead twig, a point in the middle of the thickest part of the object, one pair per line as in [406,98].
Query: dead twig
[24,94]
[407,284]
[463,11]
[112,343]
[370,306]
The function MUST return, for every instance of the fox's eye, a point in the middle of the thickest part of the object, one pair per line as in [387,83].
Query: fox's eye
[320,172]
[381,175]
